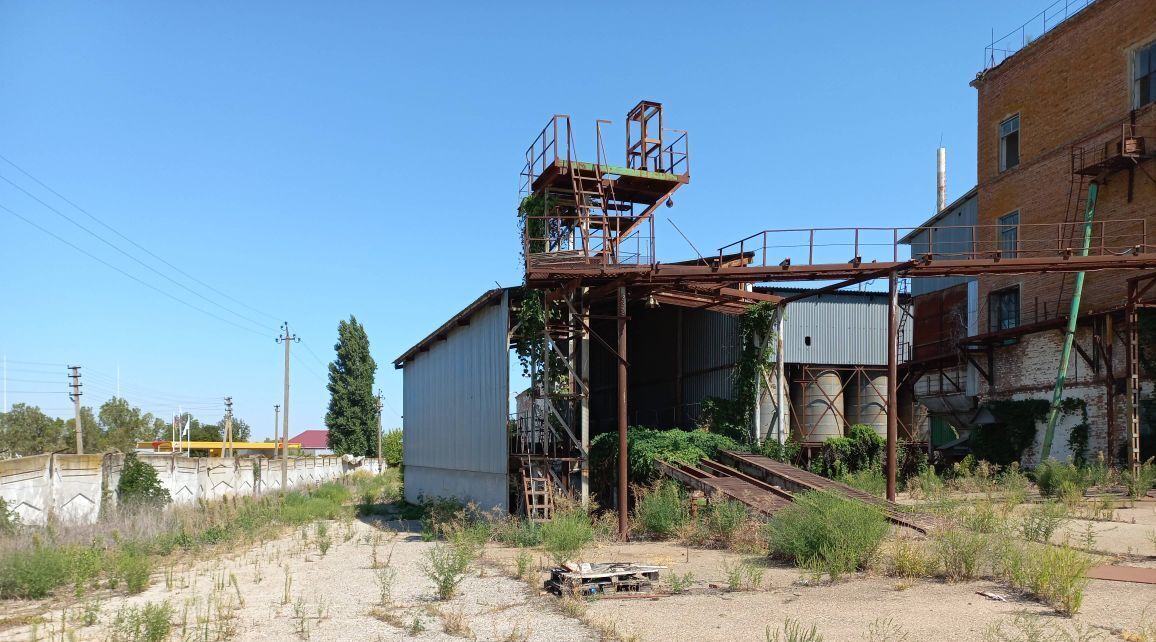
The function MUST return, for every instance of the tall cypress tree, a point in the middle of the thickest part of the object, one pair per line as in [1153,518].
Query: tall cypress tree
[352,415]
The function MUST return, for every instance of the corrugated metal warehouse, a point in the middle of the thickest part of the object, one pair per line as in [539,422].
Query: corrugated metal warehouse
[457,390]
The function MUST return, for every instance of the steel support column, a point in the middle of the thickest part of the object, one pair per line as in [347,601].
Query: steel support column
[623,516]
[892,379]
[1132,320]
[584,350]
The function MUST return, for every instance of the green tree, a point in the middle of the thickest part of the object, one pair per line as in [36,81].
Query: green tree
[124,425]
[25,430]
[240,429]
[352,415]
[391,449]
[94,441]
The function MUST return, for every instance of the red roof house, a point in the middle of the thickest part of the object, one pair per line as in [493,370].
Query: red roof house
[314,442]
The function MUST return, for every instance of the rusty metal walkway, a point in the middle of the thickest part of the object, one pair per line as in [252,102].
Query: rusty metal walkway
[751,493]
[794,479]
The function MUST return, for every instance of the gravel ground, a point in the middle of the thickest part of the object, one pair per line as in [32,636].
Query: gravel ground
[284,589]
[330,597]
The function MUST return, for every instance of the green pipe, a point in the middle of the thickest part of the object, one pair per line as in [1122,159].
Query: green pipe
[1070,333]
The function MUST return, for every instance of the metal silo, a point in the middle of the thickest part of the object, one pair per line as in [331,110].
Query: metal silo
[867,400]
[823,413]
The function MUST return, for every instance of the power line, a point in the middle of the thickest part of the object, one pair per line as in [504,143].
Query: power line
[134,243]
[130,256]
[134,278]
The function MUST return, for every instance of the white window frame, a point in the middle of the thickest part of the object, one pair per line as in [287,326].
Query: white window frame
[1003,166]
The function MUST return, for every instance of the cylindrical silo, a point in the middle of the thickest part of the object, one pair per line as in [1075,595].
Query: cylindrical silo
[769,411]
[823,415]
[867,400]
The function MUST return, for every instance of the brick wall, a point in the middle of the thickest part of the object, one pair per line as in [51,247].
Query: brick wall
[1072,86]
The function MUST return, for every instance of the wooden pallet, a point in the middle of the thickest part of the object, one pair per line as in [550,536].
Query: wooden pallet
[596,579]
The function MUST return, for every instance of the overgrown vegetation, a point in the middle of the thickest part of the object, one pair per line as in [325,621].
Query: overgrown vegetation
[139,486]
[119,552]
[732,417]
[1004,443]
[826,533]
[644,446]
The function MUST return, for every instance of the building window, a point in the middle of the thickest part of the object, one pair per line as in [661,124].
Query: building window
[1009,143]
[1009,234]
[1144,76]
[1004,309]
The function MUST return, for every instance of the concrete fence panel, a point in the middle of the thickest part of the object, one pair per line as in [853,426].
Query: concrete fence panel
[76,487]
[26,486]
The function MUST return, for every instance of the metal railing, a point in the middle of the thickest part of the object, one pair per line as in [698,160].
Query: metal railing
[676,154]
[811,246]
[1038,25]
[1134,142]
[546,149]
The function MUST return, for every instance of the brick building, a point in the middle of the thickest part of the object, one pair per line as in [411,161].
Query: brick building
[1073,107]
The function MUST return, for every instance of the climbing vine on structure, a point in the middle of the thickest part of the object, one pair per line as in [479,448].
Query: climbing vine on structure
[530,315]
[732,417]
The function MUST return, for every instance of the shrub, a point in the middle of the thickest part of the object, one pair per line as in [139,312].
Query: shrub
[661,509]
[826,533]
[33,574]
[1058,576]
[9,520]
[861,449]
[139,485]
[742,575]
[1139,485]
[908,560]
[391,449]
[147,623]
[1041,521]
[131,565]
[567,534]
[723,519]
[787,452]
[1056,479]
[446,565]
[959,552]
[680,583]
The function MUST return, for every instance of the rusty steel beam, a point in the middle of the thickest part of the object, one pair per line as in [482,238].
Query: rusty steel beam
[842,284]
[595,275]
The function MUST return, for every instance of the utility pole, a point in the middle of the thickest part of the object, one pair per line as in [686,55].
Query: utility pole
[276,422]
[229,426]
[75,396]
[287,339]
[379,468]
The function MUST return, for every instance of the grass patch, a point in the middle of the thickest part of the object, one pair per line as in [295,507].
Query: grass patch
[826,533]
[446,566]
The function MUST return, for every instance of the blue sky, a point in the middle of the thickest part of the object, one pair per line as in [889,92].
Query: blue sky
[316,160]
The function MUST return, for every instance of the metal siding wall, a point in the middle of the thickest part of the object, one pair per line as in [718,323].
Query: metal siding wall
[455,399]
[844,330]
[948,240]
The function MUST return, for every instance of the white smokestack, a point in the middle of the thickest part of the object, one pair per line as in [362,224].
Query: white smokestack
[941,179]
